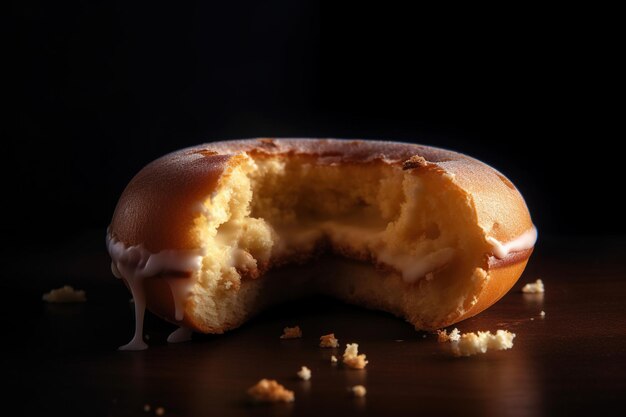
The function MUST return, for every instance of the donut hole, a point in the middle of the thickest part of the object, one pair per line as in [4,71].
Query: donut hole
[415,227]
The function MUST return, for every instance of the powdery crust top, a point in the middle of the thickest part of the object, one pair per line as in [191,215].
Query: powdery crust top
[352,359]
[270,391]
[65,294]
[291,333]
[534,287]
[329,341]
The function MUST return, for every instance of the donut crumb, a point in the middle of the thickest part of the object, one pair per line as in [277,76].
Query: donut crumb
[351,357]
[359,391]
[329,341]
[304,373]
[291,333]
[270,391]
[65,294]
[473,343]
[443,336]
[536,287]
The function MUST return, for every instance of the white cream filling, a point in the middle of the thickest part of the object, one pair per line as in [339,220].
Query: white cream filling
[525,241]
[368,241]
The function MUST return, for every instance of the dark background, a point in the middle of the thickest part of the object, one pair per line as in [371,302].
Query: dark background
[96,90]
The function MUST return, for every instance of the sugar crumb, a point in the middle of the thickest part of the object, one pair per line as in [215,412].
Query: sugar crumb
[291,333]
[351,357]
[473,343]
[159,411]
[65,294]
[536,287]
[146,407]
[329,341]
[333,359]
[542,314]
[270,391]
[304,373]
[358,391]
[455,335]
[443,336]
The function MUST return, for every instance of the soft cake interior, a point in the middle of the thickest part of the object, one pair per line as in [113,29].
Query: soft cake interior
[410,237]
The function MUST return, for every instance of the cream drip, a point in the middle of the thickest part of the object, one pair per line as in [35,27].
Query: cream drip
[182,334]
[523,242]
[135,263]
[180,289]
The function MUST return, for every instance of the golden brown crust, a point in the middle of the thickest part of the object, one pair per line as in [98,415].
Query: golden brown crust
[501,279]
[157,207]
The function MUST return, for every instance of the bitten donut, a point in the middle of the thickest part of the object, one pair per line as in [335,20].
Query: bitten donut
[207,236]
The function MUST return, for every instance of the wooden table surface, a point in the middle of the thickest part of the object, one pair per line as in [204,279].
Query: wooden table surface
[61,359]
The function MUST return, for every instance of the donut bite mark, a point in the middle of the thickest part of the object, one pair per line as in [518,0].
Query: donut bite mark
[215,233]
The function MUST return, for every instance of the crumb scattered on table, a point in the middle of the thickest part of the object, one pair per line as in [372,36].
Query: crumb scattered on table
[329,341]
[291,333]
[479,342]
[333,359]
[358,391]
[304,373]
[351,357]
[159,411]
[270,391]
[146,407]
[542,314]
[65,294]
[443,336]
[536,287]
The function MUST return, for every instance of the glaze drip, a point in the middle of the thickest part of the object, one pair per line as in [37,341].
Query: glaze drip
[135,263]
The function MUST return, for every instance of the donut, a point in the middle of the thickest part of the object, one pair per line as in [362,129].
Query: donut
[208,236]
